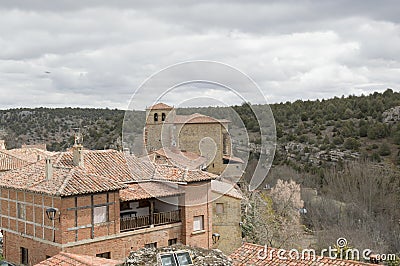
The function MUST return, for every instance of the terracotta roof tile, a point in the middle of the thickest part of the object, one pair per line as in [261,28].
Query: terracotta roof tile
[197,119]
[160,106]
[225,188]
[69,259]
[147,190]
[17,158]
[101,171]
[63,181]
[248,254]
[180,158]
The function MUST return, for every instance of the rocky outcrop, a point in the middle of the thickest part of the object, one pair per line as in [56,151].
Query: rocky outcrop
[392,115]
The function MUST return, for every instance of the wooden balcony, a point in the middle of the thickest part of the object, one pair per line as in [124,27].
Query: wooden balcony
[159,218]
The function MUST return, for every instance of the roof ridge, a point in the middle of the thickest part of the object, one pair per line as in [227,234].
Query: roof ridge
[65,182]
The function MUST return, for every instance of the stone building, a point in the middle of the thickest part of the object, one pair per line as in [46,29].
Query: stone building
[101,203]
[226,216]
[196,133]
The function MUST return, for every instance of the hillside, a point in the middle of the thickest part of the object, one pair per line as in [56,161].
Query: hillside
[311,134]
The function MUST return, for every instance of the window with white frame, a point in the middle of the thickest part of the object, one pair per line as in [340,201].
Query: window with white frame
[100,214]
[198,223]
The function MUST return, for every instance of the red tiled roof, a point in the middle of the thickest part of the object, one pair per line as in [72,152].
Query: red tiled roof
[63,181]
[69,259]
[17,158]
[225,188]
[101,171]
[180,158]
[248,254]
[160,106]
[9,162]
[176,174]
[147,190]
[197,119]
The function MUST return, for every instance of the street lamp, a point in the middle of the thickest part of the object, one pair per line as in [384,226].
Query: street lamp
[215,237]
[51,213]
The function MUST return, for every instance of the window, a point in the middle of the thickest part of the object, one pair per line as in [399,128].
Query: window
[21,211]
[106,255]
[24,256]
[155,117]
[198,223]
[168,260]
[151,245]
[172,241]
[163,117]
[179,258]
[219,208]
[184,258]
[100,214]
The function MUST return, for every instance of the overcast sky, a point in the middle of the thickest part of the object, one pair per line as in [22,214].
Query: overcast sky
[96,53]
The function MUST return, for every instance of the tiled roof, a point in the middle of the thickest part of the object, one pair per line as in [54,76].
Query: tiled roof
[197,119]
[101,171]
[147,190]
[180,158]
[63,181]
[69,259]
[107,163]
[9,162]
[16,158]
[225,188]
[175,174]
[233,159]
[29,154]
[160,106]
[248,254]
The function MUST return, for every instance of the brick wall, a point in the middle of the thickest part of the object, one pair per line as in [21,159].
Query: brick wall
[197,202]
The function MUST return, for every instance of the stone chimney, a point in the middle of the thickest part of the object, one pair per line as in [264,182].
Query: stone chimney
[49,168]
[2,144]
[77,153]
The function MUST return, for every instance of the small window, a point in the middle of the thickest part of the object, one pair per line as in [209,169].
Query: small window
[168,260]
[184,258]
[198,223]
[219,208]
[163,117]
[100,214]
[155,117]
[21,211]
[180,258]
[106,255]
[172,241]
[24,256]
[151,245]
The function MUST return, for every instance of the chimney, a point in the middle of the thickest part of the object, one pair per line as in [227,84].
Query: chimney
[77,153]
[49,168]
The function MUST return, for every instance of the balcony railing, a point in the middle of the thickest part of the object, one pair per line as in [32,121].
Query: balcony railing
[158,218]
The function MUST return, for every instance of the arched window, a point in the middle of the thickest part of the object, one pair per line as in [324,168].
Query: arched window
[155,117]
[163,117]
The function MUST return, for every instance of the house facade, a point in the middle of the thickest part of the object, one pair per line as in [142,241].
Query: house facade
[101,203]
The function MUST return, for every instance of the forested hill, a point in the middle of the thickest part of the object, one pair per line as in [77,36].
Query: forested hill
[310,133]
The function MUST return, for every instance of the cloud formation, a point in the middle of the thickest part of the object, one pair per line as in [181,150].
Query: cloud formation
[96,53]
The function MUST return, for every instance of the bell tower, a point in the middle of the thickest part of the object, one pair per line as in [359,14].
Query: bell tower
[159,125]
